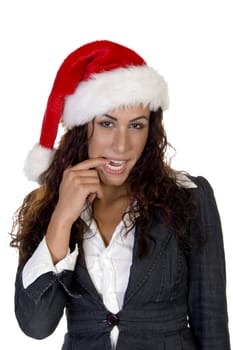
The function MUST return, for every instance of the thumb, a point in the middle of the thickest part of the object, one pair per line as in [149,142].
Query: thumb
[92,197]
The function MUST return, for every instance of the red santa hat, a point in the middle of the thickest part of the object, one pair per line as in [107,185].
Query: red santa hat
[94,79]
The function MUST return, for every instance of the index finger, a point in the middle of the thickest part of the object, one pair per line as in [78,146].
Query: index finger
[90,163]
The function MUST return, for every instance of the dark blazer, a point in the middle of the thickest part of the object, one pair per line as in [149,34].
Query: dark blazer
[172,302]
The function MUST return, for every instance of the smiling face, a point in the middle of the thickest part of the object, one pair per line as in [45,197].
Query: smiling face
[119,136]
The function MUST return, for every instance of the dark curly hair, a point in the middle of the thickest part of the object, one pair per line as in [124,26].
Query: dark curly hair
[152,186]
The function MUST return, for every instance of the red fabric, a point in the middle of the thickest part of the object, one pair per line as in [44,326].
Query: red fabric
[94,57]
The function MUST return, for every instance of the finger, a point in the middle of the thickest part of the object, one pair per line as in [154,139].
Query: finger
[84,173]
[92,188]
[90,163]
[83,180]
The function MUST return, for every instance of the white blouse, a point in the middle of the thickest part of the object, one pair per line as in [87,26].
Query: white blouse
[109,267]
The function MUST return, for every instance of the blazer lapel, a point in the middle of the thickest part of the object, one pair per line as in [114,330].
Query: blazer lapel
[157,241]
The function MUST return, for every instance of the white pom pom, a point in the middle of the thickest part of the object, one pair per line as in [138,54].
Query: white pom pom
[37,161]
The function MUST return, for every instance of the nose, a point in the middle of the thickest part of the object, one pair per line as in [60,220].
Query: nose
[121,141]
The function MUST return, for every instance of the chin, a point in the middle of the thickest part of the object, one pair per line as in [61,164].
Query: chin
[108,182]
[113,180]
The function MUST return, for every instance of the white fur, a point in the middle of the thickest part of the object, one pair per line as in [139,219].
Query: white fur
[120,87]
[37,161]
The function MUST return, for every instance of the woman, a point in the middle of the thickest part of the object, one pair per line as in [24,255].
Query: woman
[130,248]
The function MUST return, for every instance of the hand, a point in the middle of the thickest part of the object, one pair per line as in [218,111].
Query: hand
[79,183]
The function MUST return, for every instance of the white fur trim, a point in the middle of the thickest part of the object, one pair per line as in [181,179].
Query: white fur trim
[120,87]
[37,161]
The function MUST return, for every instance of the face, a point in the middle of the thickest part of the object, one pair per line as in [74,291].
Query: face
[120,137]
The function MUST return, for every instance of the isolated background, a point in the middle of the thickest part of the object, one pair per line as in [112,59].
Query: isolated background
[189,42]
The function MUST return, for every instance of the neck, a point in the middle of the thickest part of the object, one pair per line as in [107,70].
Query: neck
[109,209]
[113,193]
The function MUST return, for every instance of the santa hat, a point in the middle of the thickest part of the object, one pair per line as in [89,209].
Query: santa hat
[94,79]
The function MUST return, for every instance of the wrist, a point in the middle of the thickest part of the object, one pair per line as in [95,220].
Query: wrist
[62,219]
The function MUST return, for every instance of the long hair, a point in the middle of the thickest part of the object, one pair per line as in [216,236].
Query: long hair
[152,186]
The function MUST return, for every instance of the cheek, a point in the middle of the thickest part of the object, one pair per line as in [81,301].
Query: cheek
[91,149]
[95,146]
[140,143]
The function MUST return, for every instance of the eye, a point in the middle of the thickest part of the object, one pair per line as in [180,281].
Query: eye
[137,125]
[106,124]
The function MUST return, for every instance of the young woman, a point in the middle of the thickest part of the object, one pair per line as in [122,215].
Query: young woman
[130,248]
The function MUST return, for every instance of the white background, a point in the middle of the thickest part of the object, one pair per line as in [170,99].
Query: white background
[189,42]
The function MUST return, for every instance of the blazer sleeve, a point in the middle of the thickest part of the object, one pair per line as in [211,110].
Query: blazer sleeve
[207,277]
[40,306]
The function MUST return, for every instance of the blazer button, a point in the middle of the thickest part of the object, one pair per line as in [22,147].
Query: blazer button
[112,320]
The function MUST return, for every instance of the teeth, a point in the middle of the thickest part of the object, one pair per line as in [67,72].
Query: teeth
[116,162]
[116,165]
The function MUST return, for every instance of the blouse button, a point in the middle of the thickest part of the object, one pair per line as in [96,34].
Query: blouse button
[112,320]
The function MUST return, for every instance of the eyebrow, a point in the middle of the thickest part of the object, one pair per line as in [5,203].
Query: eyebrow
[132,120]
